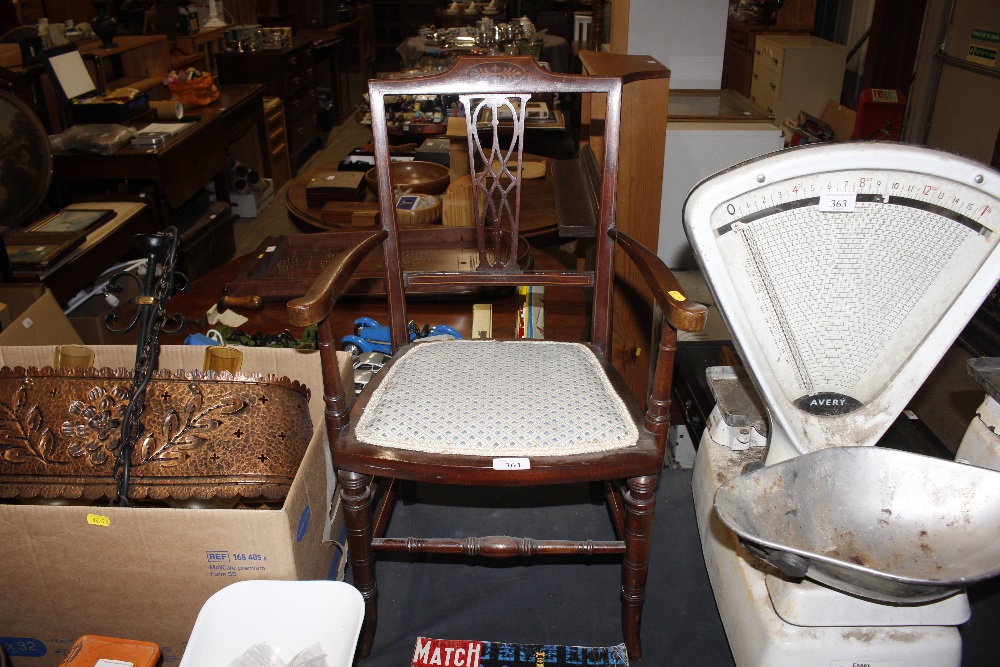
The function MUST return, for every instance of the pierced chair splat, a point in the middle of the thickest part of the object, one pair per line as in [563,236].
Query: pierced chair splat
[557,406]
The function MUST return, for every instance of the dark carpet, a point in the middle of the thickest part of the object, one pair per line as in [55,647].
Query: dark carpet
[572,603]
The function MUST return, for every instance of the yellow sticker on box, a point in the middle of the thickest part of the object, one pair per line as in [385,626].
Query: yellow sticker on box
[98,520]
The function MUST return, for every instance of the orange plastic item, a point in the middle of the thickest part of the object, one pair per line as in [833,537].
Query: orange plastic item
[194,92]
[96,651]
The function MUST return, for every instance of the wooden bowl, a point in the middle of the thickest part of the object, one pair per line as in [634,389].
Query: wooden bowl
[427,178]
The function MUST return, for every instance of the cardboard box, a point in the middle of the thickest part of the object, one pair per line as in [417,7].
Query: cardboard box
[251,204]
[207,237]
[18,296]
[144,572]
[41,323]
[435,149]
[88,318]
[841,119]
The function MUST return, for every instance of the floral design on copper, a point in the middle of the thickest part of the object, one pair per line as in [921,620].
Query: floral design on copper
[94,425]
[23,436]
[186,430]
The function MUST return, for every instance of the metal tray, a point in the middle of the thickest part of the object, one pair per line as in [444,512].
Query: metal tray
[878,523]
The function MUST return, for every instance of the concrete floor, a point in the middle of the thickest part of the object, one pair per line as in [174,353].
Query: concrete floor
[274,220]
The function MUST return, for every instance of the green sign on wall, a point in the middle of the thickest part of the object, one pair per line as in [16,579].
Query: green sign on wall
[986,35]
[982,55]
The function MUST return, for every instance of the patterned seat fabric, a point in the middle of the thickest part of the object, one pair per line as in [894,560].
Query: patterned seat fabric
[497,398]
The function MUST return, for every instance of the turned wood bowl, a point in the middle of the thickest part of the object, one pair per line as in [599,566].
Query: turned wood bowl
[426,178]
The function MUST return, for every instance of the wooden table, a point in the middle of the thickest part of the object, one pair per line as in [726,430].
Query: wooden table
[565,308]
[540,205]
[187,161]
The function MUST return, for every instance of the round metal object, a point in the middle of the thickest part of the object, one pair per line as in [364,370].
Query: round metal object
[25,161]
[880,523]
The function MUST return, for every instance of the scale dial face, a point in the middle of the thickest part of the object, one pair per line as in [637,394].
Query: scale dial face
[846,270]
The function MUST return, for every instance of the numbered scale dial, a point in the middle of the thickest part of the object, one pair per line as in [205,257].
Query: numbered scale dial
[832,280]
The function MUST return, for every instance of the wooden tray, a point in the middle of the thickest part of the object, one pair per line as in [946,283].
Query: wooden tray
[284,267]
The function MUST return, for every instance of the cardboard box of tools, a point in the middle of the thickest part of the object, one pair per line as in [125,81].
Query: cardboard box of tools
[144,572]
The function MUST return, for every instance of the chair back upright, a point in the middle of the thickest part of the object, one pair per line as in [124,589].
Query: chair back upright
[489,90]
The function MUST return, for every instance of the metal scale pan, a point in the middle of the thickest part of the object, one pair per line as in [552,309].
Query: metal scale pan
[879,523]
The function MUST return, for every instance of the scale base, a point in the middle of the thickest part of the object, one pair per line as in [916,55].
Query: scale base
[758,636]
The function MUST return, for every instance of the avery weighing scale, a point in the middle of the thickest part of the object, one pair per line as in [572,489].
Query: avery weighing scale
[844,272]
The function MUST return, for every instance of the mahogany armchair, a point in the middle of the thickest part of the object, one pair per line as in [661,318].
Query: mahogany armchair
[486,427]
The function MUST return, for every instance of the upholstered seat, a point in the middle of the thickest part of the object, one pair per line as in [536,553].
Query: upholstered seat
[539,398]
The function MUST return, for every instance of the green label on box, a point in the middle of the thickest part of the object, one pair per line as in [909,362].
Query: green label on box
[982,55]
[986,35]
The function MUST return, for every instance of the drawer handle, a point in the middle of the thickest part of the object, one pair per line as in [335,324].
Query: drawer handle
[773,87]
[775,60]
[756,76]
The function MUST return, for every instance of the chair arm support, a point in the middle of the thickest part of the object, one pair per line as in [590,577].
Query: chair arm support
[102,82]
[682,313]
[319,299]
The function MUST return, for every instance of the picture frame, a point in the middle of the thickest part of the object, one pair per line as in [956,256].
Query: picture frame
[72,220]
[39,251]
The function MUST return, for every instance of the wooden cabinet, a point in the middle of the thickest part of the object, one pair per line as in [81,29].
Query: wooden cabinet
[794,17]
[340,66]
[276,150]
[640,176]
[737,59]
[290,74]
[137,61]
[793,73]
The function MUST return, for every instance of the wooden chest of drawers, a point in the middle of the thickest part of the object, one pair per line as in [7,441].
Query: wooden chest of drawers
[276,150]
[289,74]
[793,73]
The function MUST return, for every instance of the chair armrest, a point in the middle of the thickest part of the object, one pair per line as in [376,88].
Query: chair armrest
[319,299]
[680,312]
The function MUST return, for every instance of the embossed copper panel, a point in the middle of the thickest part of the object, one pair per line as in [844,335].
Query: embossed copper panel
[205,436]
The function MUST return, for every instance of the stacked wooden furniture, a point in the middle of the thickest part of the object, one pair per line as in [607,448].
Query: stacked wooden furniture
[793,73]
[288,73]
[276,151]
[795,17]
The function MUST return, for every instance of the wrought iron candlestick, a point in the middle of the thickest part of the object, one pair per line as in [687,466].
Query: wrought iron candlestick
[155,289]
